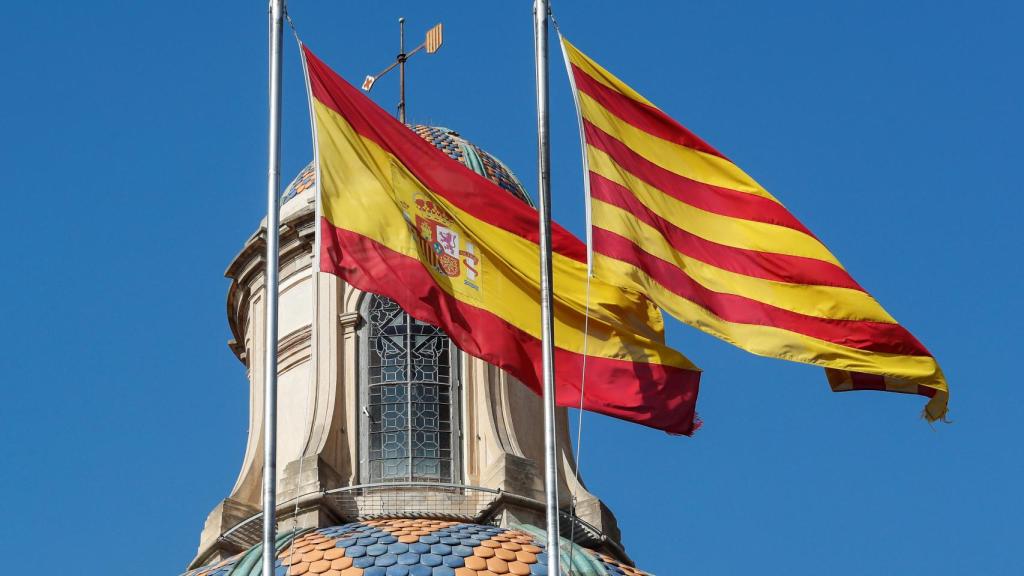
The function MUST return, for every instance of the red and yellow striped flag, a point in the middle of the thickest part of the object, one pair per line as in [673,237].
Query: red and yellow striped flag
[434,38]
[674,219]
[402,219]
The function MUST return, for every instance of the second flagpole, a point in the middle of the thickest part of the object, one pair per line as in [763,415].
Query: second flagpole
[540,36]
[276,14]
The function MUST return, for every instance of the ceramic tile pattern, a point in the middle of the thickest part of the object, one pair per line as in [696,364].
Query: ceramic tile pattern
[304,181]
[222,568]
[449,142]
[413,547]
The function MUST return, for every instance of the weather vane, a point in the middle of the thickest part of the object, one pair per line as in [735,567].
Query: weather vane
[432,42]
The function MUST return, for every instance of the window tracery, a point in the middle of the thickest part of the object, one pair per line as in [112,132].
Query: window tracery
[409,398]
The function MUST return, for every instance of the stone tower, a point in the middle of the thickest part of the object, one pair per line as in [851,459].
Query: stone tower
[387,432]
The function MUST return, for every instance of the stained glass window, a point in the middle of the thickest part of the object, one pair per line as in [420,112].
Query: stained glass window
[409,398]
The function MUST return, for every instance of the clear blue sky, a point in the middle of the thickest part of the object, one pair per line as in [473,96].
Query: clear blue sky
[133,152]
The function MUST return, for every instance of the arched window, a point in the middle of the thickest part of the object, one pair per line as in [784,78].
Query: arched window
[409,398]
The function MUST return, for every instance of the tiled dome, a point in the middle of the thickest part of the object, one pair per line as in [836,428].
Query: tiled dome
[417,547]
[449,142]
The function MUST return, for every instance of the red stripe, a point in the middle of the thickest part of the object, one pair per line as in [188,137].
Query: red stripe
[654,395]
[643,116]
[707,197]
[858,334]
[765,265]
[444,176]
[863,381]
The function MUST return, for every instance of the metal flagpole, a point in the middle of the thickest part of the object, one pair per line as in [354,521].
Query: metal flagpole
[270,285]
[540,45]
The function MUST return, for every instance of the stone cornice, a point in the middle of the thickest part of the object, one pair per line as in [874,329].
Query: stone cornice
[293,349]
[246,268]
[349,320]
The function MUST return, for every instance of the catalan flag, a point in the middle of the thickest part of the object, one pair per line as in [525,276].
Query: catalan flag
[434,38]
[402,219]
[675,219]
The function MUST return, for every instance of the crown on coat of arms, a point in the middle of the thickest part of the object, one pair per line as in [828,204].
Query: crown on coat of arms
[432,210]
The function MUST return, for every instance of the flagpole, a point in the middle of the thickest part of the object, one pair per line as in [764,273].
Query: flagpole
[270,286]
[540,35]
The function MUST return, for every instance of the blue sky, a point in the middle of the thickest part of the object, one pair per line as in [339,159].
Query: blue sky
[133,149]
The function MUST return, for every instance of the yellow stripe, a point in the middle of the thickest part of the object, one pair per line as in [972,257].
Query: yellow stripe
[599,73]
[623,324]
[726,230]
[679,159]
[819,301]
[775,342]
[841,381]
[676,158]
[902,373]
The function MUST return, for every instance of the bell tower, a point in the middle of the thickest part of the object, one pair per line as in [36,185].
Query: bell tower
[380,416]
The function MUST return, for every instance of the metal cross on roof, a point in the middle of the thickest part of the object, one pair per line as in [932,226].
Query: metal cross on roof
[432,42]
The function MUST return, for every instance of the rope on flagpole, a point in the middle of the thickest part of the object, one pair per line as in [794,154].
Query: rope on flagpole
[314,364]
[590,274]
[583,376]
[295,33]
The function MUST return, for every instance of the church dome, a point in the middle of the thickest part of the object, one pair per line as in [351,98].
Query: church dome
[416,547]
[449,142]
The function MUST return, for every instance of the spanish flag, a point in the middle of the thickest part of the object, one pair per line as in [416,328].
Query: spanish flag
[402,219]
[675,219]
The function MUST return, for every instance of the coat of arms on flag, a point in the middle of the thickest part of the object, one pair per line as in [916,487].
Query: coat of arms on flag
[439,242]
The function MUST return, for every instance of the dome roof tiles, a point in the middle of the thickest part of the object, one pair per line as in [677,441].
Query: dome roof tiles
[416,547]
